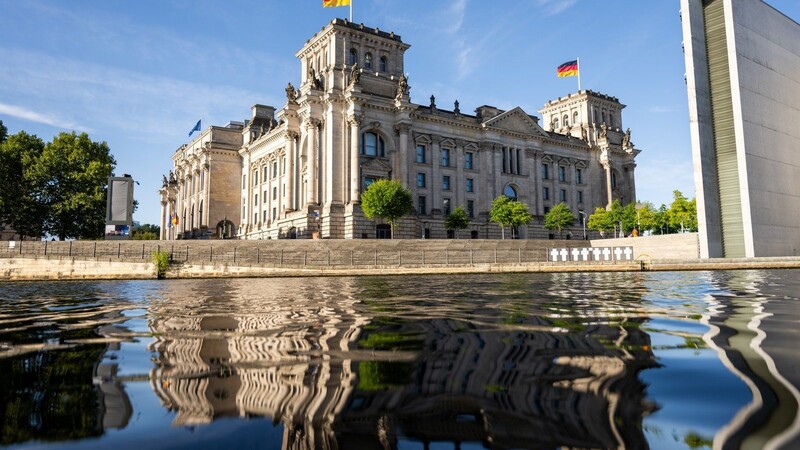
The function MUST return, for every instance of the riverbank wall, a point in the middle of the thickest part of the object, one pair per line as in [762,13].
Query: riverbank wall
[80,260]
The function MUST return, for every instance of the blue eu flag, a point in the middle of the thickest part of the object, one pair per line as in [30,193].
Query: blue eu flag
[196,128]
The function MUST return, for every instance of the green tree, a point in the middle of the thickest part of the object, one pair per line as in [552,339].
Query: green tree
[600,220]
[3,132]
[682,212]
[457,220]
[21,205]
[646,219]
[558,218]
[72,176]
[386,199]
[146,232]
[509,212]
[661,219]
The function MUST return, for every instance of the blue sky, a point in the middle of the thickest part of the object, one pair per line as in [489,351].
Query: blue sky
[138,75]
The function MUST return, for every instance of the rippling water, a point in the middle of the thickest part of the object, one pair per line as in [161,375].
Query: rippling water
[642,360]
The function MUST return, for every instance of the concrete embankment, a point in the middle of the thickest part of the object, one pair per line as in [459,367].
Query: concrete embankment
[80,260]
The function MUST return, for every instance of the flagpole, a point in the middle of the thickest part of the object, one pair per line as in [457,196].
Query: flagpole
[579,74]
[351,10]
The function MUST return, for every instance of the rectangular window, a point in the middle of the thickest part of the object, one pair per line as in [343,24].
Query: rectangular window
[265,174]
[255,217]
[505,161]
[283,161]
[283,190]
[420,154]
[275,193]
[446,206]
[470,186]
[546,193]
[562,195]
[446,183]
[471,208]
[546,210]
[255,200]
[445,157]
[274,213]
[579,176]
[421,180]
[421,208]
[545,172]
[255,178]
[368,181]
[265,216]
[562,173]
[519,162]
[580,196]
[468,160]
[265,194]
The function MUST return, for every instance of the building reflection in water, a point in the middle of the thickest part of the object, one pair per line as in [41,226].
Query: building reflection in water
[372,366]
[743,301]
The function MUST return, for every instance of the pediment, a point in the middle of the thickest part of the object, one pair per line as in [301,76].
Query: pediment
[376,165]
[516,121]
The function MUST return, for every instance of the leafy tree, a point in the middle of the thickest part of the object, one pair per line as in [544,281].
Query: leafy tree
[72,176]
[682,212]
[457,220]
[661,219]
[600,220]
[558,218]
[646,219]
[146,232]
[3,132]
[509,212]
[387,199]
[21,206]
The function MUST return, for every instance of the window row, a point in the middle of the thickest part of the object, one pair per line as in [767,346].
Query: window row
[192,188]
[422,207]
[422,177]
[421,157]
[562,195]
[265,173]
[383,62]
[562,173]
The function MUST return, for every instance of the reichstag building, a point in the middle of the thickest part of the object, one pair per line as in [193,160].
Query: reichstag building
[298,171]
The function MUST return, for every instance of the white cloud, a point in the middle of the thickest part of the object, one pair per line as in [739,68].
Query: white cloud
[33,116]
[553,7]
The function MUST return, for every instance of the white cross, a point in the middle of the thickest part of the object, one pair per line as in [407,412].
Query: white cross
[564,254]
[596,254]
[618,252]
[575,254]
[585,254]
[554,254]
[606,254]
[628,252]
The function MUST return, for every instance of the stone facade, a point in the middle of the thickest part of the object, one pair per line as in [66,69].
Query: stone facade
[351,121]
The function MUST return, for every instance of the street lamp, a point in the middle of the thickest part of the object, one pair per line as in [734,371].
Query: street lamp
[583,217]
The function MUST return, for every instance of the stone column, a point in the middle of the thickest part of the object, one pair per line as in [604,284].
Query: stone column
[313,166]
[291,153]
[207,194]
[164,215]
[533,177]
[355,157]
[459,185]
[402,130]
[436,163]
[605,161]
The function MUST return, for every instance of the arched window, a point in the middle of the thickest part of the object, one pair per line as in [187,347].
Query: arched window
[384,64]
[372,145]
[613,180]
[353,56]
[368,61]
[555,123]
[611,120]
[575,117]
[510,192]
[566,120]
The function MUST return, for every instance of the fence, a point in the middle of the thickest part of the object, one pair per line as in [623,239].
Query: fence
[309,254]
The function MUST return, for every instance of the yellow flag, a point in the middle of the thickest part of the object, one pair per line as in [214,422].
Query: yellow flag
[335,3]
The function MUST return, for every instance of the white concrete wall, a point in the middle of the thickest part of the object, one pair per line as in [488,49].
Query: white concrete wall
[70,269]
[767,65]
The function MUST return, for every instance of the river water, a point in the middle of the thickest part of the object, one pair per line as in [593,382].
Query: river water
[603,360]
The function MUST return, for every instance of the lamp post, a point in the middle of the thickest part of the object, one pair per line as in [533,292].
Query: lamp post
[583,218]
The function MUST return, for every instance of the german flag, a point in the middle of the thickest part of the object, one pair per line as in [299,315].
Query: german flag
[335,3]
[568,69]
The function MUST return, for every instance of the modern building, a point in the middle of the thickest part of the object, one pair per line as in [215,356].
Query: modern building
[743,80]
[299,171]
